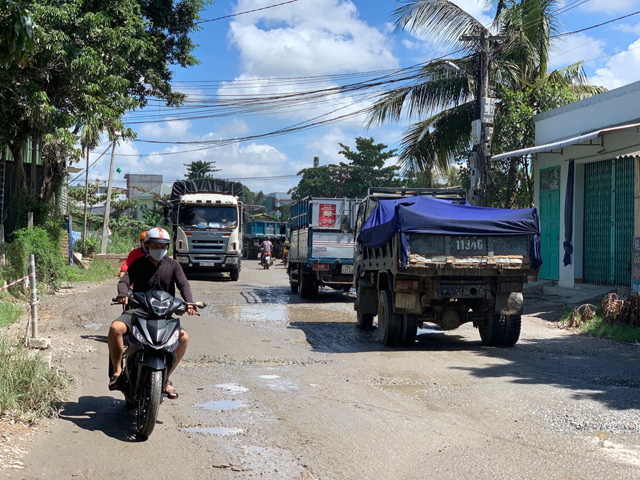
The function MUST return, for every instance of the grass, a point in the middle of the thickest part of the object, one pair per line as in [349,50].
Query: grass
[29,389]
[9,312]
[597,327]
[97,271]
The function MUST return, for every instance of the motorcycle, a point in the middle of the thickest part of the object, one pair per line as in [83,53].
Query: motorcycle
[150,353]
[267,261]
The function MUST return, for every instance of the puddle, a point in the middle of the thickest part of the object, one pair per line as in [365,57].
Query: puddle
[269,377]
[258,313]
[223,405]
[221,431]
[283,387]
[232,387]
[410,390]
[93,326]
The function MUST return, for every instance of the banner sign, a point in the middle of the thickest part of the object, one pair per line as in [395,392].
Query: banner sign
[327,215]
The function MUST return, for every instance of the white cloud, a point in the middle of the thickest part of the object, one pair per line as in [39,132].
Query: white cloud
[307,38]
[621,69]
[573,48]
[174,130]
[608,6]
[234,128]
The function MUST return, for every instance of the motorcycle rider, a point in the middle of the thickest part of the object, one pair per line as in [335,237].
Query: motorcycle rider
[152,272]
[267,247]
[134,254]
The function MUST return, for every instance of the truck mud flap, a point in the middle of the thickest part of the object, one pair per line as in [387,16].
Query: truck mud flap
[509,303]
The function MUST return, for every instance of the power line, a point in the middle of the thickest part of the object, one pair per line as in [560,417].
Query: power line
[598,25]
[244,13]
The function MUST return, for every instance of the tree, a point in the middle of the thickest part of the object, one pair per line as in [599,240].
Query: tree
[200,169]
[16,33]
[91,58]
[367,167]
[316,181]
[442,97]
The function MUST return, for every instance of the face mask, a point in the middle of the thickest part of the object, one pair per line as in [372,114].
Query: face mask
[158,254]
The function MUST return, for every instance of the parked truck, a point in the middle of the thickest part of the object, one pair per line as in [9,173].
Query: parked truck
[206,215]
[321,245]
[257,228]
[426,256]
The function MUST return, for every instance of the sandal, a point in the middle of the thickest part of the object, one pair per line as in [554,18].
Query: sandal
[169,391]
[115,382]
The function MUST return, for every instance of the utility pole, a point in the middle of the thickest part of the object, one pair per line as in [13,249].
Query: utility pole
[86,199]
[481,129]
[107,205]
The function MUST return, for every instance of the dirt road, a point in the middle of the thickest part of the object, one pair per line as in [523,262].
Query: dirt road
[274,387]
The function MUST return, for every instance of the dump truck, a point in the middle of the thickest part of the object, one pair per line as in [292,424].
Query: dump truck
[425,256]
[321,245]
[259,226]
[206,215]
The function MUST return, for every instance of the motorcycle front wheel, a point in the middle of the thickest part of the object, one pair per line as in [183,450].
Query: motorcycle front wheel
[149,404]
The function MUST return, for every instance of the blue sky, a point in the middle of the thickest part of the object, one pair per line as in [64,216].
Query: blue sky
[318,38]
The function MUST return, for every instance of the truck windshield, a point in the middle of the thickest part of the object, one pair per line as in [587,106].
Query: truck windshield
[198,216]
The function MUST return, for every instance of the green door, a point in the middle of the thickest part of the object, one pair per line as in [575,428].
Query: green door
[608,221]
[549,222]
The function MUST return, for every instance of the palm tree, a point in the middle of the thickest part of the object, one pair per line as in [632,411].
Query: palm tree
[89,139]
[442,98]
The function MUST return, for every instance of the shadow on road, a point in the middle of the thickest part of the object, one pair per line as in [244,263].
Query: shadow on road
[103,414]
[595,369]
[95,338]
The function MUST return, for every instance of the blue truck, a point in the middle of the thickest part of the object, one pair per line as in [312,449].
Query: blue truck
[259,226]
[321,245]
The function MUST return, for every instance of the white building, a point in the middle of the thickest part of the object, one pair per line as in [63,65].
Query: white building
[587,187]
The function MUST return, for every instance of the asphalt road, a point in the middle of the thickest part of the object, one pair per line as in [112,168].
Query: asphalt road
[274,387]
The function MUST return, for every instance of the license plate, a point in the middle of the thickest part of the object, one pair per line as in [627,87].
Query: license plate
[348,269]
[207,264]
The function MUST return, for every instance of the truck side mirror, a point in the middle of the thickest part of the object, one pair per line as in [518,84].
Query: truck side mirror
[167,216]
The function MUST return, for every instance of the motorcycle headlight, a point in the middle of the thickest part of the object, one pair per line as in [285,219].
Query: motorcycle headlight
[173,340]
[138,334]
[160,307]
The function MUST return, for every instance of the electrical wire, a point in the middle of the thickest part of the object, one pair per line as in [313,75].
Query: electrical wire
[244,13]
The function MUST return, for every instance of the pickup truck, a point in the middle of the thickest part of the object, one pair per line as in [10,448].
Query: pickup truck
[426,256]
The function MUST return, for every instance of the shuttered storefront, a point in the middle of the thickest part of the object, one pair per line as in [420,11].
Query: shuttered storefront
[608,221]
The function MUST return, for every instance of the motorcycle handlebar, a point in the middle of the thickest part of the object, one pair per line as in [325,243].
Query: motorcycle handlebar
[114,301]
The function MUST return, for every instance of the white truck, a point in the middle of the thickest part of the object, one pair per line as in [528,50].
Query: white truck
[206,215]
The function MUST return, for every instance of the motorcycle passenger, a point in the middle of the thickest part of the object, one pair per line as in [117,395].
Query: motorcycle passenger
[134,254]
[267,247]
[152,272]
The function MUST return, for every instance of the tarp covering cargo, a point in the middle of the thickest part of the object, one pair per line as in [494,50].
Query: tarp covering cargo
[206,185]
[419,214]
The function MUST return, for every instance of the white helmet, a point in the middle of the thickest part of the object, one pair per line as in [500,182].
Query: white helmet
[158,235]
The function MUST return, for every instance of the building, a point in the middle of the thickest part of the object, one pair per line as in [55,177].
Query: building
[148,199]
[141,183]
[587,187]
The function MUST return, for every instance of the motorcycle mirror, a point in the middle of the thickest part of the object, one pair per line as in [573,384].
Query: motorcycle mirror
[200,304]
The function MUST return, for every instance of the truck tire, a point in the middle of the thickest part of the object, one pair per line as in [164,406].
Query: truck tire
[365,320]
[308,285]
[500,330]
[234,274]
[293,285]
[409,330]
[389,323]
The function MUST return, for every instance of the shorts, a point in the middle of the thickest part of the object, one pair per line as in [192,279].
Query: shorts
[126,319]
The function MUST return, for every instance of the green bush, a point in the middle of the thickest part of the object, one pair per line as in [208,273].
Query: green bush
[48,257]
[9,313]
[97,271]
[29,389]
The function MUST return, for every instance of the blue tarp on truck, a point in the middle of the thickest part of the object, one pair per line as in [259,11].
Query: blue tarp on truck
[420,214]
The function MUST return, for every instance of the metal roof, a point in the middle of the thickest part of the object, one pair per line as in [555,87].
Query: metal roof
[560,144]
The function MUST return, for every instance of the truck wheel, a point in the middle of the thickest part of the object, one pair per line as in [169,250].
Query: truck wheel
[308,285]
[235,275]
[365,320]
[389,323]
[409,330]
[512,327]
[500,330]
[294,286]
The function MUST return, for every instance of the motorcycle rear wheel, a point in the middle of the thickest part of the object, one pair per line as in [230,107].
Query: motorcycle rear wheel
[149,404]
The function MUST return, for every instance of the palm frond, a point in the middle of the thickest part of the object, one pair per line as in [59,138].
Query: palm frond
[431,143]
[440,21]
